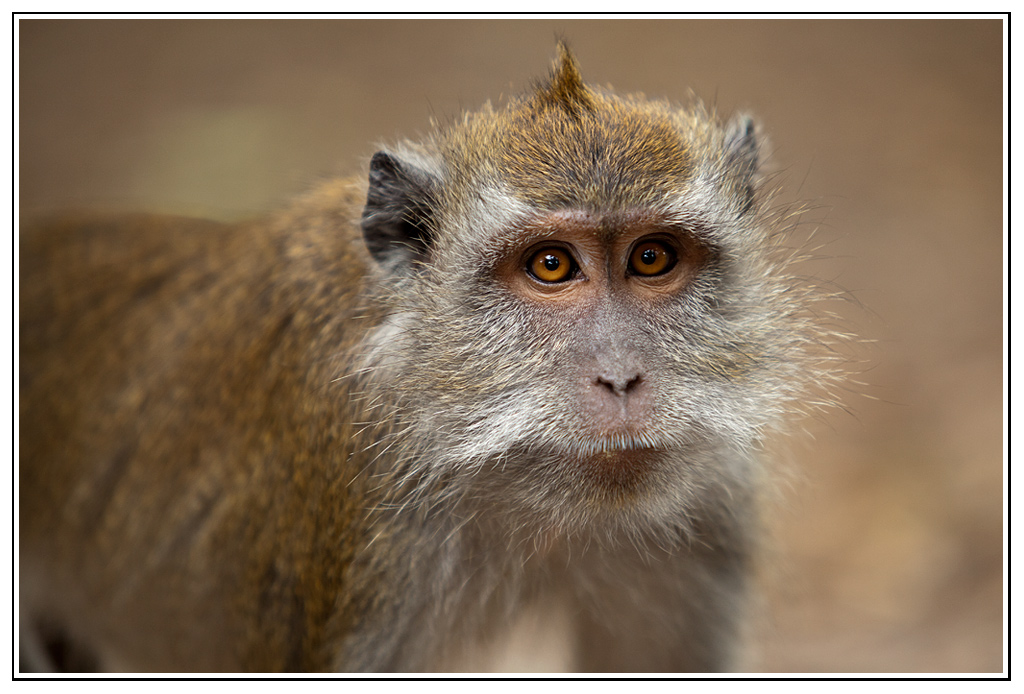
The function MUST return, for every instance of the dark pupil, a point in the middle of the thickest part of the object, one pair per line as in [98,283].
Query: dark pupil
[649,256]
[551,262]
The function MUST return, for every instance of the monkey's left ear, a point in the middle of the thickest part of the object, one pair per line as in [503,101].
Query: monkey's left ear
[397,219]
[743,145]
[742,155]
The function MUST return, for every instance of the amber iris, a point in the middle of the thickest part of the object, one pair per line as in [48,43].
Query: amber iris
[651,258]
[551,265]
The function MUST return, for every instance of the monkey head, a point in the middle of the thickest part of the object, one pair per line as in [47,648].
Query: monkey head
[583,309]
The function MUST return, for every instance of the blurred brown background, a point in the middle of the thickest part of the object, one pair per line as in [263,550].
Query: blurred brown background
[890,540]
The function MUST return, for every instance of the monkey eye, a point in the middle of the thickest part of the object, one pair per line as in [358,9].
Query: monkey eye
[551,265]
[650,258]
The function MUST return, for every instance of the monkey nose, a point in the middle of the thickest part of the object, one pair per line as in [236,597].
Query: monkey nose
[616,403]
[620,383]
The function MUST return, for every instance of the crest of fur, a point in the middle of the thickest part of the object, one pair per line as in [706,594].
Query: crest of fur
[565,89]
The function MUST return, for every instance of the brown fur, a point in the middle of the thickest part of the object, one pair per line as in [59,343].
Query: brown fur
[136,462]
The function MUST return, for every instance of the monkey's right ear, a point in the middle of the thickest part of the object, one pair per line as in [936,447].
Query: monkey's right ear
[397,220]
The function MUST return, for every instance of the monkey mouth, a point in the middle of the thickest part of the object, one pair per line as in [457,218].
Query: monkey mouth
[618,467]
[625,456]
[624,442]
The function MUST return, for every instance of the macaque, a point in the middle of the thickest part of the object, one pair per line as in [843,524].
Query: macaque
[508,391]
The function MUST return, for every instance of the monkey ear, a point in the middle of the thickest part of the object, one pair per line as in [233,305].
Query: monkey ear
[743,145]
[743,142]
[397,220]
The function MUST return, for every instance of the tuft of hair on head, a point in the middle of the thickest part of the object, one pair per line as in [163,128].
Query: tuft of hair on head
[565,89]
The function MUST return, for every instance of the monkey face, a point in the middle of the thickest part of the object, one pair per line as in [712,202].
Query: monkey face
[580,360]
[604,281]
[594,332]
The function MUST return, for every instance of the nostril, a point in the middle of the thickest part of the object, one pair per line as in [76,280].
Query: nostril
[633,383]
[619,385]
